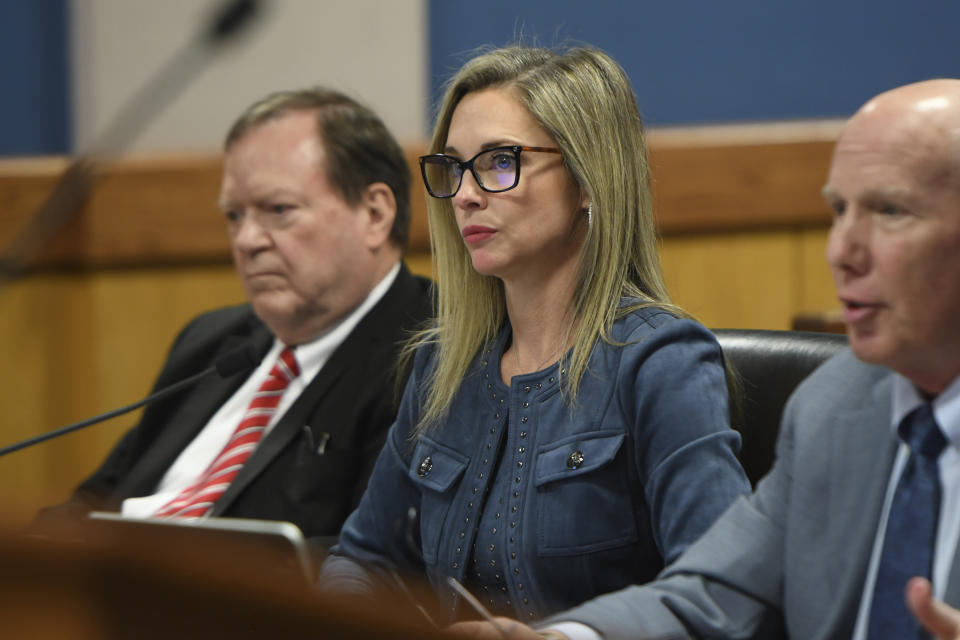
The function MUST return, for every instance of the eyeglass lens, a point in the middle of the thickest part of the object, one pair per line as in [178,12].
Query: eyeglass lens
[494,170]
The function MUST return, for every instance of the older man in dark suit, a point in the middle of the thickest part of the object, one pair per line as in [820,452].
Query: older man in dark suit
[315,194]
[860,514]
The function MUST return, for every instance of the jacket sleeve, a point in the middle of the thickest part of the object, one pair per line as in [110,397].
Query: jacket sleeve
[674,390]
[728,584]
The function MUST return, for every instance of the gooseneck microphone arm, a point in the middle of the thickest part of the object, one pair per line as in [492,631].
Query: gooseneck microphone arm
[73,189]
[236,361]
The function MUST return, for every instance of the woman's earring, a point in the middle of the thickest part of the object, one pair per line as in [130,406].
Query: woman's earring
[590,214]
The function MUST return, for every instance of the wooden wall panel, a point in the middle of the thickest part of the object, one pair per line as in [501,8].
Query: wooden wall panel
[44,329]
[704,178]
[739,279]
[82,344]
[817,292]
[88,328]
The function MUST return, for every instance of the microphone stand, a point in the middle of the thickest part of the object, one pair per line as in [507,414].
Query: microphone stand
[74,186]
[56,433]
[238,360]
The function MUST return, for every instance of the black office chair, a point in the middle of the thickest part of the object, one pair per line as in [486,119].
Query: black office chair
[770,364]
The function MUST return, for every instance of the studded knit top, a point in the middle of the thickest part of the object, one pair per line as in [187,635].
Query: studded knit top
[536,504]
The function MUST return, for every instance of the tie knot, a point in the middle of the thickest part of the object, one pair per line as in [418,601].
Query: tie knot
[286,367]
[920,430]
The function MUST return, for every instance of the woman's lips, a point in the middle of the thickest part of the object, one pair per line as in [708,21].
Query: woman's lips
[476,233]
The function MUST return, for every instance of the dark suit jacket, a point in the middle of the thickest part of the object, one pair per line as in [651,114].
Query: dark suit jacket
[348,407]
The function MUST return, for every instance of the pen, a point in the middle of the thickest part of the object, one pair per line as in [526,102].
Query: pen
[479,608]
[406,592]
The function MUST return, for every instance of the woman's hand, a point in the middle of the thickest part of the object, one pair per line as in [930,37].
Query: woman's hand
[940,619]
[506,629]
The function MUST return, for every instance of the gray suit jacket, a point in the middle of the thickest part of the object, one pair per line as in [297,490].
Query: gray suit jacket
[790,560]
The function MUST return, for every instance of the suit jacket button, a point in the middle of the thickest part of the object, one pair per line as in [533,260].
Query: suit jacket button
[425,466]
[575,460]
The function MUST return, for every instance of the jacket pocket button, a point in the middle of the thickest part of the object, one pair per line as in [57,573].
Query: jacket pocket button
[425,466]
[575,460]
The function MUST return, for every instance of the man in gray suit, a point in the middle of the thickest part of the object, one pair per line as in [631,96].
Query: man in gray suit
[865,493]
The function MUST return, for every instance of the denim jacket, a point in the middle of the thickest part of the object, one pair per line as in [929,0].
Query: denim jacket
[574,500]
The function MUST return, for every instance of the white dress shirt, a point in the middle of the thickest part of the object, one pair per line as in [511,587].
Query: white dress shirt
[201,452]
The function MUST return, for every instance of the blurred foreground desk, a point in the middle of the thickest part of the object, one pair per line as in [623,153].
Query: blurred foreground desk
[138,587]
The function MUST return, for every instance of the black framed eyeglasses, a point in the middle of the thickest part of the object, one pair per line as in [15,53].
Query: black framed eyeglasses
[495,170]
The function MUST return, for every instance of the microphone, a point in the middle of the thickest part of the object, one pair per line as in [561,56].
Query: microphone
[241,359]
[231,18]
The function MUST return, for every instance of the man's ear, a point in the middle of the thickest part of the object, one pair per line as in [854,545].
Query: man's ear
[379,208]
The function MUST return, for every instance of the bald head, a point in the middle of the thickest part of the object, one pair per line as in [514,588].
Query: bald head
[894,248]
[922,120]
[925,97]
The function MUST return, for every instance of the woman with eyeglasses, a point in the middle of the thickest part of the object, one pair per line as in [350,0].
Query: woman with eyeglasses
[565,430]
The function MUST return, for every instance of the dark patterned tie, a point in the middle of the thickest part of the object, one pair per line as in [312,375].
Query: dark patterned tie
[911,529]
[196,500]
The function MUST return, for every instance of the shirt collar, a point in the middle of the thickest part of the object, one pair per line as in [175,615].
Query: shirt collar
[311,356]
[946,406]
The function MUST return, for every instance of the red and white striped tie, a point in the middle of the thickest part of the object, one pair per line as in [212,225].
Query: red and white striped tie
[196,500]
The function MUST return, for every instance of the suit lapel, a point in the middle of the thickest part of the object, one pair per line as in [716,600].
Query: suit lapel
[196,409]
[288,427]
[862,455]
[366,338]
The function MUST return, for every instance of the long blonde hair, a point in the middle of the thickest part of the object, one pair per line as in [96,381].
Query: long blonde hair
[583,99]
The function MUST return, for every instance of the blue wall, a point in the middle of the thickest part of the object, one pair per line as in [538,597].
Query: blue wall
[690,61]
[695,61]
[35,103]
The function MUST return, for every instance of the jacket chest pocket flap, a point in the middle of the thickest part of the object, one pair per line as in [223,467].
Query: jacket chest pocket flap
[434,468]
[584,501]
